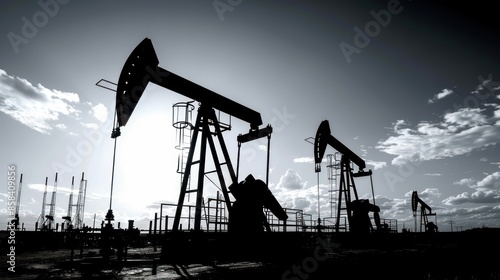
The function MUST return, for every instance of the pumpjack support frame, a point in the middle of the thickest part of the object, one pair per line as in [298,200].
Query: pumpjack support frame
[140,68]
[425,212]
[357,222]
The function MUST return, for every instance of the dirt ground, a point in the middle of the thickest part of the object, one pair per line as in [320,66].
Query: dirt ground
[476,258]
[56,264]
[341,264]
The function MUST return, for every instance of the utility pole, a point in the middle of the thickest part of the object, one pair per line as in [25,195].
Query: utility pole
[41,218]
[18,203]
[52,209]
[80,204]
[67,218]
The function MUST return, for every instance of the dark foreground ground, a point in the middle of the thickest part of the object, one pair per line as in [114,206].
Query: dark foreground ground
[474,255]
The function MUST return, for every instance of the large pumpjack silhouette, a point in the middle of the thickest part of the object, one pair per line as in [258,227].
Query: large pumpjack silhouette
[246,214]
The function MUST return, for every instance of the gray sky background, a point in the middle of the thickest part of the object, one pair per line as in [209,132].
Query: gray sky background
[412,87]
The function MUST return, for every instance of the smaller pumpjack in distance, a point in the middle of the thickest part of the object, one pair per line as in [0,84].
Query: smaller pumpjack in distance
[357,209]
[425,211]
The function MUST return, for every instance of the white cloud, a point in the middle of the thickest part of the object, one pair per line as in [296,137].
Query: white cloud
[466,117]
[35,106]
[91,125]
[99,111]
[465,182]
[61,126]
[262,147]
[458,133]
[41,187]
[458,199]
[376,164]
[291,181]
[492,181]
[301,203]
[63,190]
[428,192]
[303,160]
[487,190]
[445,92]
[478,197]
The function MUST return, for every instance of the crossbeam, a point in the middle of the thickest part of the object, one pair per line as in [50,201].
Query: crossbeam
[142,67]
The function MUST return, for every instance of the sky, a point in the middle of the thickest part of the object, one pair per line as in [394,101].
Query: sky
[412,87]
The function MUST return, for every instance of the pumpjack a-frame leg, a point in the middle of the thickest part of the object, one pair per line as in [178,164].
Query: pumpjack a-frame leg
[206,117]
[346,183]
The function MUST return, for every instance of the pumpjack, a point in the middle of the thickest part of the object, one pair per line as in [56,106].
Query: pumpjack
[251,195]
[356,209]
[425,212]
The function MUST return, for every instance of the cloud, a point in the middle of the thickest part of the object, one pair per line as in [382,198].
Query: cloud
[467,117]
[445,92]
[293,193]
[37,107]
[99,111]
[291,181]
[400,209]
[303,160]
[490,182]
[391,208]
[301,203]
[64,190]
[478,197]
[465,182]
[90,125]
[429,192]
[61,126]
[305,199]
[459,133]
[50,188]
[487,190]
[376,164]
[262,148]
